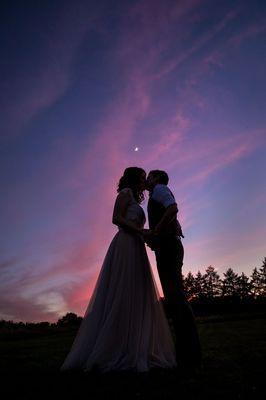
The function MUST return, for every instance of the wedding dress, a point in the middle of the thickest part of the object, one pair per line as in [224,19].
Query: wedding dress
[124,326]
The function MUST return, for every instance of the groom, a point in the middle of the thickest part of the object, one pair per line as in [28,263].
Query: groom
[164,238]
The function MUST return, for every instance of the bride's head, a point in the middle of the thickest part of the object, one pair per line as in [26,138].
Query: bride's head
[135,179]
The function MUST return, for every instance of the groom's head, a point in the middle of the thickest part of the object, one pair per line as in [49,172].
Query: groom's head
[156,176]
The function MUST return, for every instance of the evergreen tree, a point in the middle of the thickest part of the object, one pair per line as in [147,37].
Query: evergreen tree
[256,284]
[212,283]
[189,283]
[230,283]
[262,273]
[243,286]
[199,285]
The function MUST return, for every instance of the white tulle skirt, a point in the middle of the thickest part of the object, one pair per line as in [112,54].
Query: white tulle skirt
[124,327]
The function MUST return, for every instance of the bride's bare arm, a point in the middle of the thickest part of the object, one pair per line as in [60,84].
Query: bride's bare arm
[119,213]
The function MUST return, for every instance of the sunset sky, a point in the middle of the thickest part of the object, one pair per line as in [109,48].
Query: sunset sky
[82,84]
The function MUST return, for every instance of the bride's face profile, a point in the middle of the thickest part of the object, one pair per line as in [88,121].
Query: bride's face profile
[142,181]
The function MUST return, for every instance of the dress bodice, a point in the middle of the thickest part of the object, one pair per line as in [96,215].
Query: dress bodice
[134,212]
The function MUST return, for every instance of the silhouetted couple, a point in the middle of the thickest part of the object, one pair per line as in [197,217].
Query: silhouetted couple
[125,326]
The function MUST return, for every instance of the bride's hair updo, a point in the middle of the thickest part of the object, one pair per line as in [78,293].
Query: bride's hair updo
[131,179]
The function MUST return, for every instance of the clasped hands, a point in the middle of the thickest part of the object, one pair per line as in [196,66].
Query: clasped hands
[149,236]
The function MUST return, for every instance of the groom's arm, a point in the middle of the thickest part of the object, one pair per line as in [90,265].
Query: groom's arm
[163,195]
[169,215]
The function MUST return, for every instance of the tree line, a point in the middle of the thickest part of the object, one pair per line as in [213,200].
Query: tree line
[208,293]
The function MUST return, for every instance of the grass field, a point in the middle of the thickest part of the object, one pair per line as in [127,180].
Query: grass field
[234,358]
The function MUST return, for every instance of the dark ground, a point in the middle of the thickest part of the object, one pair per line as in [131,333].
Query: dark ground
[234,366]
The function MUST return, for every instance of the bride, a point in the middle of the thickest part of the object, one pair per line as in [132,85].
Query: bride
[124,326]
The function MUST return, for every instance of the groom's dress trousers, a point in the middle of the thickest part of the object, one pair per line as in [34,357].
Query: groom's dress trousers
[169,253]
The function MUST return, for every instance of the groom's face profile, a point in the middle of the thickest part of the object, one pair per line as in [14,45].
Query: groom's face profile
[151,181]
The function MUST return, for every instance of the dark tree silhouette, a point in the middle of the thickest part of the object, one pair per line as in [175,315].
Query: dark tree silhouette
[70,319]
[199,285]
[212,283]
[189,286]
[230,284]
[243,287]
[256,285]
[262,272]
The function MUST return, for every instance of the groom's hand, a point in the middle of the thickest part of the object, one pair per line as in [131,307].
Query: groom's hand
[148,237]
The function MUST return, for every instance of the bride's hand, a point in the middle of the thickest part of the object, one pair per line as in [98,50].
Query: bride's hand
[148,236]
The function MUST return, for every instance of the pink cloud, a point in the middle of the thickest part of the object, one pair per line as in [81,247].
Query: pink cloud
[16,304]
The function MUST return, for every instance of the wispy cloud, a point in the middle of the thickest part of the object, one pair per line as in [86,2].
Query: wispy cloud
[30,90]
[253,30]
